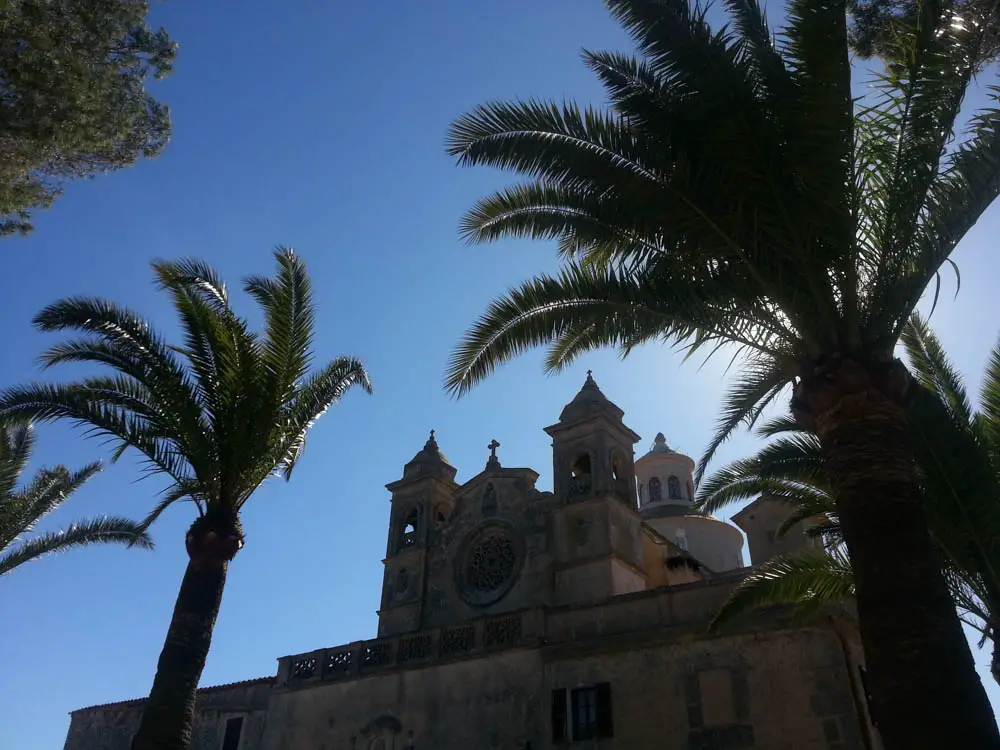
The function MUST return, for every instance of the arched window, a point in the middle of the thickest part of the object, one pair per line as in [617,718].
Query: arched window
[617,468]
[674,488]
[655,490]
[409,538]
[580,483]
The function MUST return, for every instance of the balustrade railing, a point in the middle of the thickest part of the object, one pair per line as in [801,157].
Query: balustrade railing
[503,631]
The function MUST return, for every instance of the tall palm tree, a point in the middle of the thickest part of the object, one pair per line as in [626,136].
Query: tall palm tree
[21,508]
[958,457]
[734,194]
[216,416]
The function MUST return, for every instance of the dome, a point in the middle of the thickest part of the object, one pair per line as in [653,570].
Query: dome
[711,541]
[666,504]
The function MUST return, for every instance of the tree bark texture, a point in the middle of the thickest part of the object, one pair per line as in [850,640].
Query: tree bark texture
[168,716]
[925,689]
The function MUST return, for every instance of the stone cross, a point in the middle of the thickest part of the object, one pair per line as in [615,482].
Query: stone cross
[494,463]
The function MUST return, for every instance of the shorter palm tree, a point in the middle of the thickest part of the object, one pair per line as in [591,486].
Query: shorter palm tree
[216,416]
[21,508]
[958,452]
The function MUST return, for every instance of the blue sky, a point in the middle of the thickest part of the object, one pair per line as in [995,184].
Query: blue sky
[320,126]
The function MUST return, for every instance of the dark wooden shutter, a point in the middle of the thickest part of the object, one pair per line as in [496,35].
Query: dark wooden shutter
[605,727]
[231,740]
[559,717]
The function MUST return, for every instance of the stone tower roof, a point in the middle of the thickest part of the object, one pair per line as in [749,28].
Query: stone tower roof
[428,461]
[589,402]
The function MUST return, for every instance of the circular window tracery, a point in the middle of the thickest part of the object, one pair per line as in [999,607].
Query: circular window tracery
[489,564]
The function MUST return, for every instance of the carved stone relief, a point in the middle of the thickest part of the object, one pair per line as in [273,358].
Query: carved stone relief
[488,563]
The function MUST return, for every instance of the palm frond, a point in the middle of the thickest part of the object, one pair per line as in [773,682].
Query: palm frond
[189,490]
[810,505]
[85,407]
[21,509]
[16,443]
[914,123]
[120,338]
[807,581]
[760,381]
[318,393]
[563,145]
[195,276]
[989,404]
[290,322]
[110,530]
[932,368]
[780,425]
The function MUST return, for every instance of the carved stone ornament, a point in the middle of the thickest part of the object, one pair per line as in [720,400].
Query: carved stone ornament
[488,563]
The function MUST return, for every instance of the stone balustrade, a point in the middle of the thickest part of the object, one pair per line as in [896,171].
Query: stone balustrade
[686,607]
[463,640]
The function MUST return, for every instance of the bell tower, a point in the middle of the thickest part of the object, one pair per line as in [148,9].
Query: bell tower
[598,542]
[422,500]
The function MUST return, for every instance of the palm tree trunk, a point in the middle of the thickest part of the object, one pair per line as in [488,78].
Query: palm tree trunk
[995,662]
[925,689]
[168,715]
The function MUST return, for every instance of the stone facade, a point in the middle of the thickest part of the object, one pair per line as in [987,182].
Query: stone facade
[517,618]
[111,726]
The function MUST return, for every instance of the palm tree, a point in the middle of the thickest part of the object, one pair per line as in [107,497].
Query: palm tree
[216,416]
[735,195]
[958,456]
[21,508]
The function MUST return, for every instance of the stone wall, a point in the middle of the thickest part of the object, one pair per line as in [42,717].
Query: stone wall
[496,683]
[672,686]
[480,703]
[112,726]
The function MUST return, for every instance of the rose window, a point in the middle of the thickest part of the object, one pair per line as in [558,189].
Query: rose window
[489,565]
[491,562]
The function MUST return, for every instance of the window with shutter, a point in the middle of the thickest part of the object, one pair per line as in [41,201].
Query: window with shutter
[605,726]
[231,739]
[584,713]
[559,715]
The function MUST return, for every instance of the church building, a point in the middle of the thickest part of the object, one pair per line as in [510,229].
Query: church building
[514,618]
